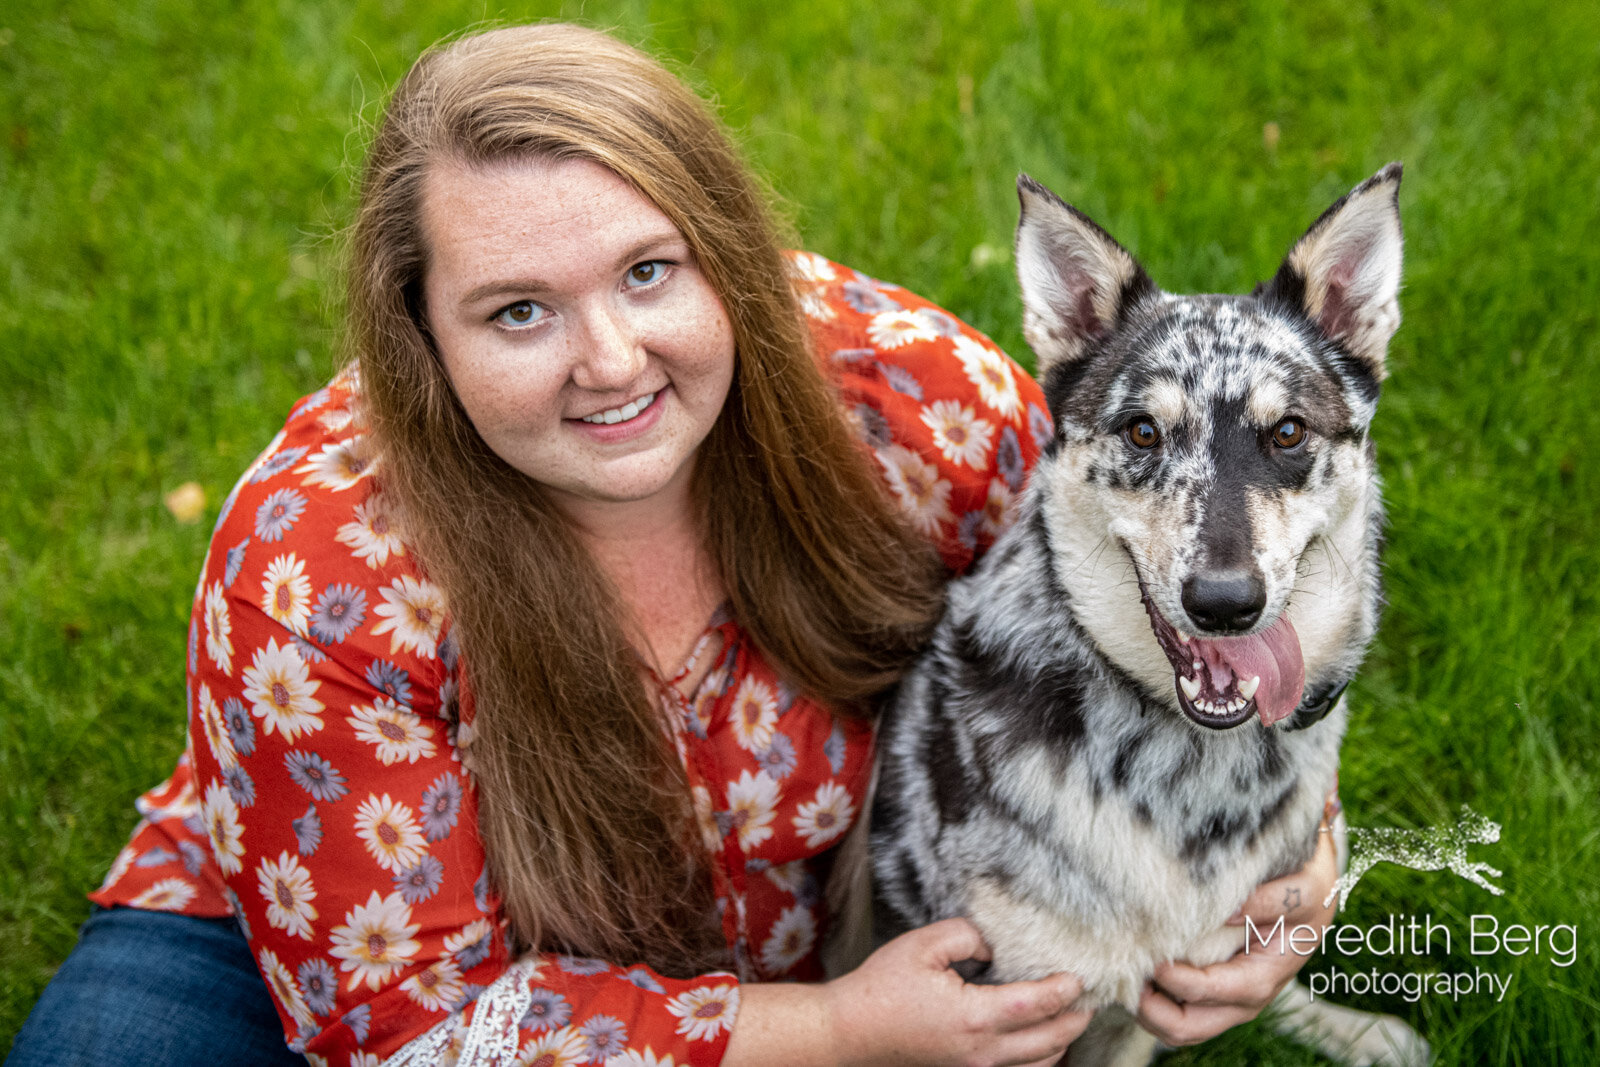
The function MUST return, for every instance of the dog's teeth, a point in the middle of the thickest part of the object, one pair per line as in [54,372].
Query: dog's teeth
[1183,638]
[1190,687]
[1248,689]
[1198,665]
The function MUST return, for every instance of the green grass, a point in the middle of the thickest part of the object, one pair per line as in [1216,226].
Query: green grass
[171,175]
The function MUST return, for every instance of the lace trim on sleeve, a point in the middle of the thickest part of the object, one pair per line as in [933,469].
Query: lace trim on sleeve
[490,1039]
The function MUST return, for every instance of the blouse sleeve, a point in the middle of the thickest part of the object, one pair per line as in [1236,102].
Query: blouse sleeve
[333,815]
[953,423]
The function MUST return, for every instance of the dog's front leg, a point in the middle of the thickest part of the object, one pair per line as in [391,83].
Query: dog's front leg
[1113,1039]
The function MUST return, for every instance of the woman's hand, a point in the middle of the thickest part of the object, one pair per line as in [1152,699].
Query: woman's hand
[906,1006]
[1185,1005]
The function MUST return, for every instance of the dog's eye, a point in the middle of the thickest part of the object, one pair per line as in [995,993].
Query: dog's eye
[1290,433]
[1142,433]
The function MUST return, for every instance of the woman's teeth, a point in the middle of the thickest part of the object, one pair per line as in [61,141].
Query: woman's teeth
[624,413]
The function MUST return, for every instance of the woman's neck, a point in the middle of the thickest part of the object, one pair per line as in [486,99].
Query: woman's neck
[653,552]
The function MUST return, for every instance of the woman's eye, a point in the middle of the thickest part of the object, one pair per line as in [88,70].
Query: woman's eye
[522,313]
[642,274]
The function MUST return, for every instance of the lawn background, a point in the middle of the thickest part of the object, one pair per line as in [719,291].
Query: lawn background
[173,177]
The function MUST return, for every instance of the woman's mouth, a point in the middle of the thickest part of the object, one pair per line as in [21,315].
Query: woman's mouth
[626,413]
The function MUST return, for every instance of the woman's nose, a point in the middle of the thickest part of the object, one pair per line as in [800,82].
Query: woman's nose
[613,353]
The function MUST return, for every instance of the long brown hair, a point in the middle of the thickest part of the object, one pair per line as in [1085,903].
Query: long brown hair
[583,805]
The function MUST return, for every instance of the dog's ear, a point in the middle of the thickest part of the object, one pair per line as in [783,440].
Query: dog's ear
[1076,281]
[1344,274]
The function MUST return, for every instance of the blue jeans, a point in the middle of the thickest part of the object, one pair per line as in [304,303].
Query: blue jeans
[154,989]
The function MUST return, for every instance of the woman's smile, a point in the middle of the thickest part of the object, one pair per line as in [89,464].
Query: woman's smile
[618,424]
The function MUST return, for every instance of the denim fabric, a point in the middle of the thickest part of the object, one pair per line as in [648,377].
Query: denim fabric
[154,989]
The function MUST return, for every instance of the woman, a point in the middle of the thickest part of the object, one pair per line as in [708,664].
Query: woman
[571,823]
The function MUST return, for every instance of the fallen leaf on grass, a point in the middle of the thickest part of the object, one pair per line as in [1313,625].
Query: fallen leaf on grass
[187,502]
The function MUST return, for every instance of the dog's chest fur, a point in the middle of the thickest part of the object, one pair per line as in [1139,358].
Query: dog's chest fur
[1028,785]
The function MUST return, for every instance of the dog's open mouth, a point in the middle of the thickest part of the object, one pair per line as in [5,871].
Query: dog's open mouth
[1222,681]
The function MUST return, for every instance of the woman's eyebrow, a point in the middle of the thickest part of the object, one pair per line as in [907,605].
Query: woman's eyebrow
[642,249]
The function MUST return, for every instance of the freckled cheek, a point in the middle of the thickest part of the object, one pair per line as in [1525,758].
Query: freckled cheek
[697,343]
[500,391]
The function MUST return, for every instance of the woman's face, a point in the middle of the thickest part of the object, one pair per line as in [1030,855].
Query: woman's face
[585,344]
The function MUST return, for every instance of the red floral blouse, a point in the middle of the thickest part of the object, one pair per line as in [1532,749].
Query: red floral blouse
[322,801]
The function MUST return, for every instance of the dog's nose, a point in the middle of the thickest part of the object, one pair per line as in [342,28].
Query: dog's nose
[1225,600]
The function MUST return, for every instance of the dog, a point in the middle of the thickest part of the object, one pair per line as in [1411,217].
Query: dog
[1130,714]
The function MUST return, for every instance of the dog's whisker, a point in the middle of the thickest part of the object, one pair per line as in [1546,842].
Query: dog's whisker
[1091,557]
[1335,554]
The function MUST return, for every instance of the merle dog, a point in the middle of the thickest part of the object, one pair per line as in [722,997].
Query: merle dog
[1131,713]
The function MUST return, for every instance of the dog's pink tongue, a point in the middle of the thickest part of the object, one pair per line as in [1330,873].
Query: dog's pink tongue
[1274,656]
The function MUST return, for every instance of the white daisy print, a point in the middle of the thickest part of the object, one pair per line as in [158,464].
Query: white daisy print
[340,465]
[999,510]
[960,435]
[414,611]
[815,307]
[281,691]
[390,832]
[755,715]
[810,267]
[288,891]
[923,495]
[827,816]
[788,877]
[281,982]
[793,936]
[334,420]
[120,865]
[647,1058]
[375,941]
[370,535]
[560,1048]
[219,628]
[705,1011]
[991,373]
[436,987]
[752,801]
[397,732]
[705,817]
[286,593]
[220,815]
[215,729]
[892,329]
[169,894]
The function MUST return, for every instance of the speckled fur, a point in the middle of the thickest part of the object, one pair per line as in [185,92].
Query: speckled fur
[1036,773]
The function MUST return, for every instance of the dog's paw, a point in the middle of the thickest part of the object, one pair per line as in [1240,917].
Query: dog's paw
[1347,1036]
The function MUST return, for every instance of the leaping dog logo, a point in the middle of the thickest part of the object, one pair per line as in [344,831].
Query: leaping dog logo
[1434,848]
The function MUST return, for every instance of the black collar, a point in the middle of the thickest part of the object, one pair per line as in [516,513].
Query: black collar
[1316,706]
